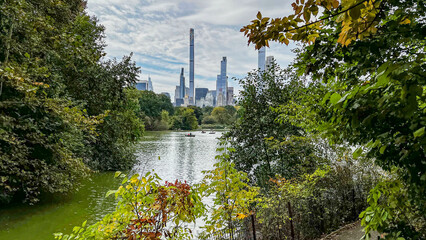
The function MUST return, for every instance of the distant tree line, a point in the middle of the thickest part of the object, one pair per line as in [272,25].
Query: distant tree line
[158,113]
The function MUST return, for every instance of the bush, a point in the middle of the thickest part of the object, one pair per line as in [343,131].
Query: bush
[209,120]
[320,202]
[146,210]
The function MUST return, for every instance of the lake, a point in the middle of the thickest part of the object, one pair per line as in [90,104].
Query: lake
[170,154]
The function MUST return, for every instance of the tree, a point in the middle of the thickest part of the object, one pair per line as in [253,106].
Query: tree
[232,196]
[369,56]
[221,115]
[207,110]
[231,110]
[209,120]
[189,121]
[151,106]
[184,119]
[198,113]
[264,146]
[61,104]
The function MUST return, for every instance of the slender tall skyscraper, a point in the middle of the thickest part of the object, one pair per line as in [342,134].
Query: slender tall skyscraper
[150,86]
[222,84]
[261,59]
[182,84]
[191,66]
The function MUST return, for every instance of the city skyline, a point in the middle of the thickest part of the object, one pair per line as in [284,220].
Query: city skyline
[157,34]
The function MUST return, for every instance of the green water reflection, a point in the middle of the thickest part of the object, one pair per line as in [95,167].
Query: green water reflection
[170,154]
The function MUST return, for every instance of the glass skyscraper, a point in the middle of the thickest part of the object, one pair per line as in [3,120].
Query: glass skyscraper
[182,84]
[222,84]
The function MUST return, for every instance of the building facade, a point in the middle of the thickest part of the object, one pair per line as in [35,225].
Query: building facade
[269,62]
[150,86]
[200,93]
[261,59]
[182,84]
[222,84]
[230,96]
[142,85]
[191,66]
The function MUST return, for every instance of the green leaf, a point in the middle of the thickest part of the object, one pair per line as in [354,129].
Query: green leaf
[419,132]
[382,149]
[110,192]
[335,98]
[357,153]
[355,12]
[124,180]
[117,174]
[75,229]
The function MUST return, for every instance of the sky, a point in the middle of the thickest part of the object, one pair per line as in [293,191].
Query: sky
[157,32]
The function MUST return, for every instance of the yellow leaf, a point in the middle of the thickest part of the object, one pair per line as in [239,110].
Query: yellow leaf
[406,21]
[286,41]
[335,4]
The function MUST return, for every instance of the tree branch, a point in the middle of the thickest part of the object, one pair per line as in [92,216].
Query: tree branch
[331,16]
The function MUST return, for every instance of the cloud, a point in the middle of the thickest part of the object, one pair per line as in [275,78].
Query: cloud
[157,32]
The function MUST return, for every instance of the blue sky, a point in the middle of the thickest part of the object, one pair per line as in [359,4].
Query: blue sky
[157,32]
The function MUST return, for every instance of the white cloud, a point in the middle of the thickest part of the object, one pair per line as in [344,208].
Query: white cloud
[157,32]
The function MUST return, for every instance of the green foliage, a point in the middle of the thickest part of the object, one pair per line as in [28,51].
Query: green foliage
[184,119]
[55,92]
[153,104]
[221,115]
[391,210]
[113,148]
[152,107]
[232,194]
[207,110]
[145,210]
[42,140]
[320,202]
[373,88]
[264,145]
[209,120]
[357,19]
[198,113]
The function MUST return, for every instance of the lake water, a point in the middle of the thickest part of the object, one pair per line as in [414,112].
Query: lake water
[170,154]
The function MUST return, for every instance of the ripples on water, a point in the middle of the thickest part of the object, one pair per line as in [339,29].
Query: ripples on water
[174,156]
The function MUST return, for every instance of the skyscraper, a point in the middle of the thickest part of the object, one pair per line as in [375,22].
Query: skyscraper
[142,85]
[269,62]
[191,67]
[230,99]
[182,84]
[261,59]
[200,93]
[177,93]
[150,86]
[222,84]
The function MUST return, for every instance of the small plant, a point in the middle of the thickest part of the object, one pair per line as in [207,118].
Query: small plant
[146,210]
[233,196]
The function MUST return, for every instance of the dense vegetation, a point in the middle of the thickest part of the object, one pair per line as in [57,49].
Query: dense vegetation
[158,113]
[337,136]
[63,109]
[366,68]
